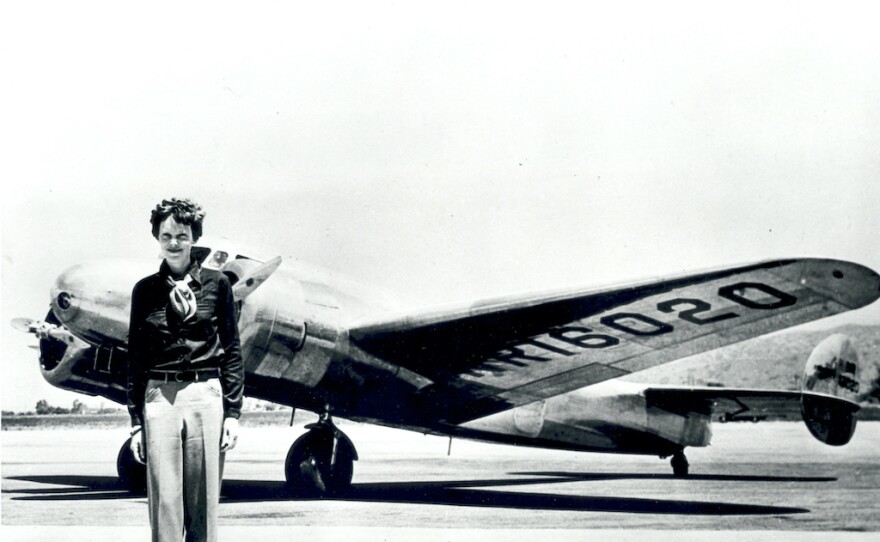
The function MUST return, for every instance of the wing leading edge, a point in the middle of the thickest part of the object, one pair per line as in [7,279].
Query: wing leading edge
[508,352]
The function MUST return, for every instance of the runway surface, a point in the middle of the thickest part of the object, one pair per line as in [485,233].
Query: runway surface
[755,477]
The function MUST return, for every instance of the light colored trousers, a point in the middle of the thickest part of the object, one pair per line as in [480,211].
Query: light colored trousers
[183,423]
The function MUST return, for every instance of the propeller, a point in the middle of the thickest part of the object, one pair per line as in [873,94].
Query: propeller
[252,281]
[42,330]
[23,324]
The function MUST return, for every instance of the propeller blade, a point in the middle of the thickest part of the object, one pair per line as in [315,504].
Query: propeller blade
[43,330]
[23,324]
[251,282]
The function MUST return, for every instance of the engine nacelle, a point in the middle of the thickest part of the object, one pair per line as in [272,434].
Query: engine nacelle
[68,362]
[609,416]
[281,334]
[830,389]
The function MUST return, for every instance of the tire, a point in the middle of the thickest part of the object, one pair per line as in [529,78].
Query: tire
[680,465]
[132,475]
[308,466]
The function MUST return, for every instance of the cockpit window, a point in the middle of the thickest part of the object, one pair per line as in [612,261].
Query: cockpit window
[217,253]
[215,261]
[219,258]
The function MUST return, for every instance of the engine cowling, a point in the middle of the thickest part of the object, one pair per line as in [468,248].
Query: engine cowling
[830,390]
[280,337]
[68,362]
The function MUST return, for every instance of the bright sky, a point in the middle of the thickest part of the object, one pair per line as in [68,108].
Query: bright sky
[448,151]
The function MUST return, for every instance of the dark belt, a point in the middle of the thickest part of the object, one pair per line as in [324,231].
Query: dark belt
[194,375]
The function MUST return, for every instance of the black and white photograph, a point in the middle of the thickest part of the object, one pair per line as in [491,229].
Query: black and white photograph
[440,271]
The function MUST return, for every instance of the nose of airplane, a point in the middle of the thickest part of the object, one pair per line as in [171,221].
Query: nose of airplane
[94,299]
[67,292]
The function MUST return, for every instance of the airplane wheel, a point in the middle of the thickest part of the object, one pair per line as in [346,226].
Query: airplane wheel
[679,465]
[132,474]
[310,466]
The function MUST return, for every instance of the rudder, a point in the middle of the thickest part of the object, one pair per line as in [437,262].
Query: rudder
[830,390]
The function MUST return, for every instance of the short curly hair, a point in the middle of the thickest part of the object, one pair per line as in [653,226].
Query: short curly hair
[185,211]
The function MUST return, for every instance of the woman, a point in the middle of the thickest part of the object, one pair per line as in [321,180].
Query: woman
[185,379]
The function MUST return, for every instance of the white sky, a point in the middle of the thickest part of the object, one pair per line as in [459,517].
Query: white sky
[447,151]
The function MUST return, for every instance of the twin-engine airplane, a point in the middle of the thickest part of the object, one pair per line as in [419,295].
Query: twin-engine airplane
[537,370]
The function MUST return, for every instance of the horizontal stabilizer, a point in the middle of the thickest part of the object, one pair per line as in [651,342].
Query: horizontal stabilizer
[740,404]
[826,403]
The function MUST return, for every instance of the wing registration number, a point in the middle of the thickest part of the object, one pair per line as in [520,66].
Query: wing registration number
[569,340]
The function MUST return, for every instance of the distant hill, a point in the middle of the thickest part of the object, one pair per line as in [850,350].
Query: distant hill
[774,361]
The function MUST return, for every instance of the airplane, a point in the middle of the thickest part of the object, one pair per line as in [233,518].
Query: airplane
[537,369]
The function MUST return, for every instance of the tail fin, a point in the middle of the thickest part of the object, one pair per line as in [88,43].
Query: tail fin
[831,386]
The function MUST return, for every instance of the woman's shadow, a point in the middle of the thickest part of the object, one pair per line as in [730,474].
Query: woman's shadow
[473,493]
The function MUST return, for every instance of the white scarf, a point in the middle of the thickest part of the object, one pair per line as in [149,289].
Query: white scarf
[183,301]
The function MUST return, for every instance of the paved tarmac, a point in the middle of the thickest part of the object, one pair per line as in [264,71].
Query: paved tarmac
[755,478]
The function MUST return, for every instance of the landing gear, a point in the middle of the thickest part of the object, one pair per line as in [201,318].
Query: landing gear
[321,461]
[679,464]
[132,474]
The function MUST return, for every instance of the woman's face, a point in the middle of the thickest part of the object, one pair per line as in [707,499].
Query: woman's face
[176,241]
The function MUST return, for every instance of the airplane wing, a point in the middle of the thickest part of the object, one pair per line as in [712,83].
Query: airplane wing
[500,353]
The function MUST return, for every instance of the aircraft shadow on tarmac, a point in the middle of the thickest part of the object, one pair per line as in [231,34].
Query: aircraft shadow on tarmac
[450,493]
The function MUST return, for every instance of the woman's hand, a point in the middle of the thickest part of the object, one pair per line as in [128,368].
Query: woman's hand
[137,446]
[230,434]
